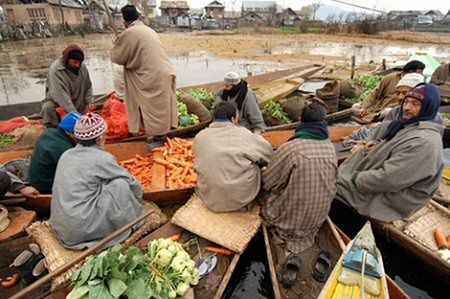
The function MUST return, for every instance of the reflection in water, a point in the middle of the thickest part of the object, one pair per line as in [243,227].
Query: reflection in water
[24,67]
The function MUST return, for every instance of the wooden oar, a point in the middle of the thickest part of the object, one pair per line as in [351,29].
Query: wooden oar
[26,292]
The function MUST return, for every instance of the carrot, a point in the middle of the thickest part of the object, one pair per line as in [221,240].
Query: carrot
[10,281]
[165,163]
[440,239]
[128,161]
[448,241]
[219,250]
[175,237]
[158,149]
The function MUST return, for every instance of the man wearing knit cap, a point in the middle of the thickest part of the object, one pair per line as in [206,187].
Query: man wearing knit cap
[47,151]
[150,81]
[92,195]
[237,91]
[366,136]
[385,183]
[384,95]
[68,86]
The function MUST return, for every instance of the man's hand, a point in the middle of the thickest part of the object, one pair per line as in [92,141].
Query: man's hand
[29,192]
[358,145]
[370,145]
[361,112]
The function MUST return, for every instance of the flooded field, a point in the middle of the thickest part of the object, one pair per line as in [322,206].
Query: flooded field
[199,58]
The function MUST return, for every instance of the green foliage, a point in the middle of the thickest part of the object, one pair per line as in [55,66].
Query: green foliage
[6,140]
[165,271]
[184,118]
[274,110]
[316,30]
[290,30]
[201,94]
[368,82]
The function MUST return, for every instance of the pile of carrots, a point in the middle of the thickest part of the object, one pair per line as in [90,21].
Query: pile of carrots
[178,159]
[141,168]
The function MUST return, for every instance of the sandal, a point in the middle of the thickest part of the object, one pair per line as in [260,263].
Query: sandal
[322,267]
[288,275]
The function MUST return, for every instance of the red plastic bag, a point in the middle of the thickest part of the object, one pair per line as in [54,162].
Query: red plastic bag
[115,115]
[14,123]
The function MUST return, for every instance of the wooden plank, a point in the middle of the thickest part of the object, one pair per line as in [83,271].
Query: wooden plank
[273,272]
[227,276]
[276,90]
[158,173]
[20,220]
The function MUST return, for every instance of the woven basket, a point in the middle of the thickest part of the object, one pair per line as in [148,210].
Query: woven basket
[422,228]
[57,255]
[231,230]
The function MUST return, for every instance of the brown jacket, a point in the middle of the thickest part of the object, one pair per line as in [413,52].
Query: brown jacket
[441,77]
[228,161]
[150,89]
[383,96]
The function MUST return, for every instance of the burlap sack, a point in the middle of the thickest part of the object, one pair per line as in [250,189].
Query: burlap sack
[293,106]
[330,95]
[350,89]
[270,121]
[196,107]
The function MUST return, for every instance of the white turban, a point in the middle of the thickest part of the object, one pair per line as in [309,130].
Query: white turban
[232,78]
[411,80]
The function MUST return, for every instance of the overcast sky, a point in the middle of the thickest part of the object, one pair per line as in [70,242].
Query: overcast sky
[385,5]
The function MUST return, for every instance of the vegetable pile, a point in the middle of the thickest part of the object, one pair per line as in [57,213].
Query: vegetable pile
[141,168]
[165,271]
[6,140]
[203,96]
[178,159]
[368,82]
[184,118]
[274,110]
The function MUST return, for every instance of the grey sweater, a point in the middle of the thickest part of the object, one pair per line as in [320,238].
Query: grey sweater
[397,177]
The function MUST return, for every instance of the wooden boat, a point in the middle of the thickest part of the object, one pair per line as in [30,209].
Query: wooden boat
[359,271]
[420,244]
[127,150]
[394,290]
[34,108]
[330,239]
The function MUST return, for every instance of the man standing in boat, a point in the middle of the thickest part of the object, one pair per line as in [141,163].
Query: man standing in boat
[441,77]
[68,86]
[384,95]
[228,161]
[237,91]
[150,80]
[396,177]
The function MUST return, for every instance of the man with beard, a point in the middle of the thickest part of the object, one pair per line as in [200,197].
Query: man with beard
[68,86]
[150,80]
[237,91]
[396,177]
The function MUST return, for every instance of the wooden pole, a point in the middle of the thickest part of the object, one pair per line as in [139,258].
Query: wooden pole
[110,17]
[63,25]
[352,74]
[26,292]
[383,64]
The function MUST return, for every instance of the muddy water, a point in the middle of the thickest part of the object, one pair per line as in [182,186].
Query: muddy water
[363,52]
[24,65]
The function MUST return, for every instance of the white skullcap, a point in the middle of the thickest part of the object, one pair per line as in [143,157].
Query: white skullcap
[232,78]
[410,80]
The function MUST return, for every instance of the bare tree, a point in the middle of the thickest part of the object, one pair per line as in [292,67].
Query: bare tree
[315,7]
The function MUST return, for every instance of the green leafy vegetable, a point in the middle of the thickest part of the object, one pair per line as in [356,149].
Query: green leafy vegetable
[368,82]
[184,118]
[6,140]
[274,110]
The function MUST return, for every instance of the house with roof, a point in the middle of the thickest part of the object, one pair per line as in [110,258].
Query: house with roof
[250,19]
[146,7]
[231,18]
[172,9]
[435,15]
[288,17]
[96,18]
[216,10]
[266,9]
[46,11]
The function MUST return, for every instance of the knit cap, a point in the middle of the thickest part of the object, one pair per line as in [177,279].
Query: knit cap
[417,93]
[232,78]
[410,80]
[90,126]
